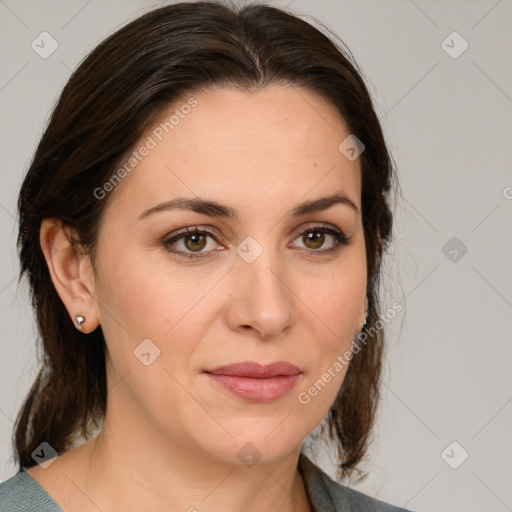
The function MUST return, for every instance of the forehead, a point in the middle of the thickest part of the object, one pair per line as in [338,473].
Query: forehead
[251,149]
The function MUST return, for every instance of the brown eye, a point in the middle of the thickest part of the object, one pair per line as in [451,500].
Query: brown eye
[191,243]
[313,239]
[195,242]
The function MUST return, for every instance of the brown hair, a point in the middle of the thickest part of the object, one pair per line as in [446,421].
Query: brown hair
[109,102]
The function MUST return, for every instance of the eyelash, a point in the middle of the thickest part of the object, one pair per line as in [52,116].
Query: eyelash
[340,238]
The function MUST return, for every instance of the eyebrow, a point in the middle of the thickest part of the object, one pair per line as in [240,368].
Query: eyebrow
[214,209]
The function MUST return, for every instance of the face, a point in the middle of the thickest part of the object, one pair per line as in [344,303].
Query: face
[259,279]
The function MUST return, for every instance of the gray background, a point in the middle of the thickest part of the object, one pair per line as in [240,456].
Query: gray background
[447,120]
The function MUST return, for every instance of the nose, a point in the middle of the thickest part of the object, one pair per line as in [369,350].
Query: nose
[261,298]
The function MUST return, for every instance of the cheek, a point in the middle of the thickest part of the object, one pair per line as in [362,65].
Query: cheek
[150,311]
[337,309]
[149,300]
[334,314]
[173,308]
[337,302]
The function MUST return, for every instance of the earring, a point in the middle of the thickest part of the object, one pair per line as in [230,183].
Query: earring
[80,320]
[364,322]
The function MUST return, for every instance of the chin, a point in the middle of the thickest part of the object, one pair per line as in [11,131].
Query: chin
[259,446]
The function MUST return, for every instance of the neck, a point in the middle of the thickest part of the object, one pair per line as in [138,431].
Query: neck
[153,472]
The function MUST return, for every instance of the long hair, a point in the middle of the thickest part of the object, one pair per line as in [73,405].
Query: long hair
[109,102]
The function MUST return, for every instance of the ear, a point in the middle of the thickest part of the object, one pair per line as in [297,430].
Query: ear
[71,273]
[363,314]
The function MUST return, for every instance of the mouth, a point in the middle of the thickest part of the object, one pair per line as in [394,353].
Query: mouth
[254,382]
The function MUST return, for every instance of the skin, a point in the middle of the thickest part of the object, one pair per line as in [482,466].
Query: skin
[171,435]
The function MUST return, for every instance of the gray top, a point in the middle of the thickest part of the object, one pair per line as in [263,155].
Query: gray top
[21,493]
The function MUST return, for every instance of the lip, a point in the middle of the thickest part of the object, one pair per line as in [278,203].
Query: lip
[254,382]
[256,370]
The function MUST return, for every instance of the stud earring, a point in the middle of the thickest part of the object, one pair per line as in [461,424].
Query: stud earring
[80,319]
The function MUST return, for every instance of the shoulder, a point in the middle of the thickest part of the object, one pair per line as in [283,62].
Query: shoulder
[327,495]
[21,493]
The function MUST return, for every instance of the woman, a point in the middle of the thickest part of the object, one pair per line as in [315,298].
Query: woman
[202,227]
